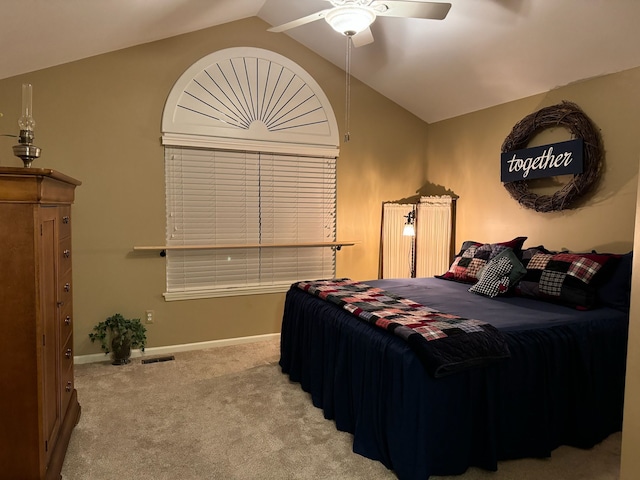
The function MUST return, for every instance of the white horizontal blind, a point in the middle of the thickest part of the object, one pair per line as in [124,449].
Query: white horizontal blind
[237,198]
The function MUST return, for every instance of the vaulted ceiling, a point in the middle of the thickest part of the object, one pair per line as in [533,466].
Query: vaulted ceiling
[485,52]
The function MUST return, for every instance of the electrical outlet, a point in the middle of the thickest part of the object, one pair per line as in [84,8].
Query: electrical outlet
[149,316]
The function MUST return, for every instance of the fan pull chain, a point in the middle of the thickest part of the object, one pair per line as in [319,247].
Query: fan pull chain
[347,114]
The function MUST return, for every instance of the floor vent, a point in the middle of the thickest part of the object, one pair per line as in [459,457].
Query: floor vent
[168,358]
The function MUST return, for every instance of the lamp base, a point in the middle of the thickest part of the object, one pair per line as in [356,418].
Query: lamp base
[27,152]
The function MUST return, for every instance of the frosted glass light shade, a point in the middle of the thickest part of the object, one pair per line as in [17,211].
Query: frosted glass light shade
[350,20]
[409,230]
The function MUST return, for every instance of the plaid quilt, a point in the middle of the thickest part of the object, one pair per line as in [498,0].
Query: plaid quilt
[444,343]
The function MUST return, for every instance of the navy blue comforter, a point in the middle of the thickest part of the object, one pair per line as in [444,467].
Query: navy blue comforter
[562,385]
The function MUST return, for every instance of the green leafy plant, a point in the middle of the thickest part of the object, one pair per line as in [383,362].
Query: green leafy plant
[116,331]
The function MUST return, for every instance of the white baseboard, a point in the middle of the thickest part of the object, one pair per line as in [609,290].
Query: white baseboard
[149,352]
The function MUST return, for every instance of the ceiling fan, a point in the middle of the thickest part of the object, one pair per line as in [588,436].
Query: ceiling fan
[354,17]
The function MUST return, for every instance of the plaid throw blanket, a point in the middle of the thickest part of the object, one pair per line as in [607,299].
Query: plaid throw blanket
[444,343]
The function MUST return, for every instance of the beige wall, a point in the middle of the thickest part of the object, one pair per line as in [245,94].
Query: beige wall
[463,155]
[99,119]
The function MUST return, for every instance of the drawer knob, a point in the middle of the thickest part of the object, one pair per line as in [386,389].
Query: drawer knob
[66,253]
[67,287]
[68,387]
[67,320]
[67,354]
[65,219]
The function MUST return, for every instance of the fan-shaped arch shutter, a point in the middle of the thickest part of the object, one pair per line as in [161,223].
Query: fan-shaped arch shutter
[250,99]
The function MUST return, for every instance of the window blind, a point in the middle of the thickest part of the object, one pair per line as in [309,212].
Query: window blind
[219,197]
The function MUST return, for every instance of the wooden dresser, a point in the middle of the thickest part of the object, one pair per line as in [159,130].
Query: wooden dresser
[38,402]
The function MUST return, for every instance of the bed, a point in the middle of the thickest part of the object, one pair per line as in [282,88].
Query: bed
[562,382]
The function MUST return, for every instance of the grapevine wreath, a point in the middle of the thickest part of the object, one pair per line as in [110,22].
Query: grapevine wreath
[571,117]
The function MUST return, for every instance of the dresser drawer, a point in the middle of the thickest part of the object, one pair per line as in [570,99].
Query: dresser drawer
[64,229]
[66,369]
[64,254]
[64,294]
[66,321]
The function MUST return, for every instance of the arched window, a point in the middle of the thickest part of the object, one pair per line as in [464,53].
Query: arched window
[250,166]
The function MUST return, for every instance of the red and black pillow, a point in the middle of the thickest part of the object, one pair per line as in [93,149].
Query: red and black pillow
[564,277]
[473,256]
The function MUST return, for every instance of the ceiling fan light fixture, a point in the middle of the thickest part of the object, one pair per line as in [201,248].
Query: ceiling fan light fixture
[350,19]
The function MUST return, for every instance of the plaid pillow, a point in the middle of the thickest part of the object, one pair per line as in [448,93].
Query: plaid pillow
[473,256]
[494,279]
[499,275]
[569,278]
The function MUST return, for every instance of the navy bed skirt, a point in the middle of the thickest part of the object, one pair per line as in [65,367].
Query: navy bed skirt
[563,385]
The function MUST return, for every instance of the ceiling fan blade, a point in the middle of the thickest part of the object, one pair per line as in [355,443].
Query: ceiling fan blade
[400,8]
[365,37]
[300,21]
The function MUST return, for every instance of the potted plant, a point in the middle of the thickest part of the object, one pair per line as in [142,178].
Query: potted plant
[119,335]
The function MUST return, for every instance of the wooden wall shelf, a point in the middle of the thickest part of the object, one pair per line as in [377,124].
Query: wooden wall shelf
[163,248]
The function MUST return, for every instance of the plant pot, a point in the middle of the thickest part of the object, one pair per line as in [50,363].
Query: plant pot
[121,353]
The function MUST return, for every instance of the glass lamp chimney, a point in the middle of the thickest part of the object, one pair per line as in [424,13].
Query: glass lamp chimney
[25,149]
[26,122]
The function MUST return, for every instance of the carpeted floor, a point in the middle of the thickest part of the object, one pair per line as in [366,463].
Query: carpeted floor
[229,413]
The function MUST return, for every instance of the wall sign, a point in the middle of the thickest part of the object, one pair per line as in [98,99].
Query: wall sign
[560,158]
[569,116]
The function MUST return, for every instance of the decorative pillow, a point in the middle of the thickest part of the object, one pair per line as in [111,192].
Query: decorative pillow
[616,291]
[499,275]
[531,251]
[568,278]
[474,255]
[504,271]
